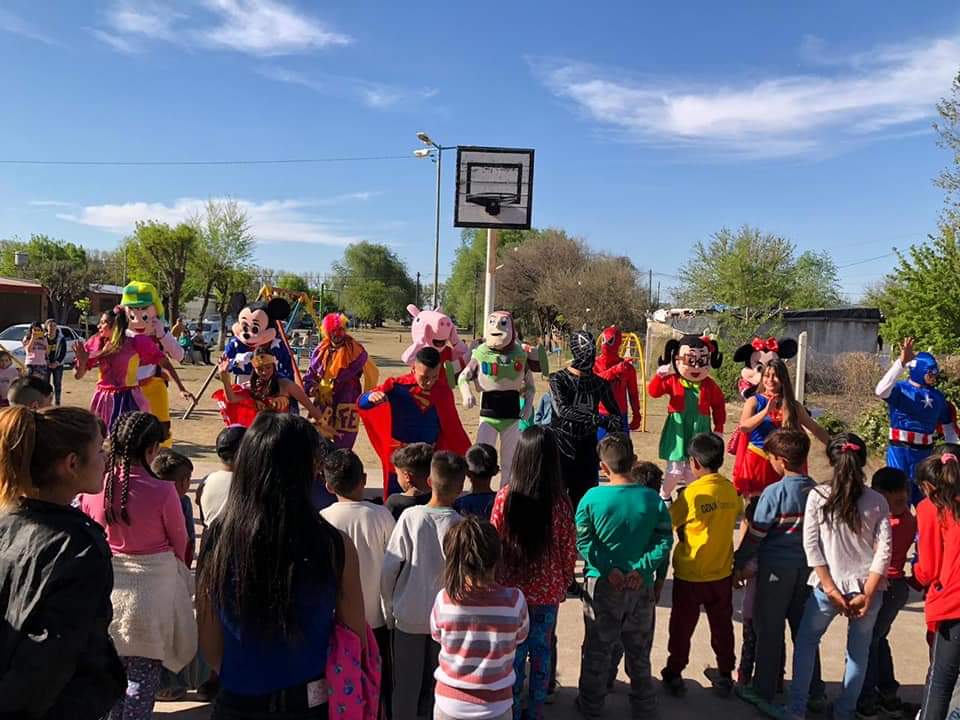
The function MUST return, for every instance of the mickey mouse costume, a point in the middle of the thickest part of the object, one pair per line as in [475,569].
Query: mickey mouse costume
[256,326]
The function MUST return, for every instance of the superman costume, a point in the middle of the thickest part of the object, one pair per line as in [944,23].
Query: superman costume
[410,414]
[917,412]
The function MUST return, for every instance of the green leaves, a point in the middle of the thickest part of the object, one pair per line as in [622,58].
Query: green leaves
[373,283]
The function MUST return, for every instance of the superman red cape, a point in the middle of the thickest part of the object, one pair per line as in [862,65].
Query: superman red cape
[378,421]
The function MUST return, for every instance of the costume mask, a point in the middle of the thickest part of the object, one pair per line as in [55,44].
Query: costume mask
[334,327]
[256,324]
[584,350]
[692,357]
[499,334]
[759,353]
[144,309]
[610,342]
[921,365]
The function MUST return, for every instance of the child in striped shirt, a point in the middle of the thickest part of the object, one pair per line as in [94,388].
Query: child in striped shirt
[479,625]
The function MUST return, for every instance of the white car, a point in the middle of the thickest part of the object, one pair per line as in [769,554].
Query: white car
[11,340]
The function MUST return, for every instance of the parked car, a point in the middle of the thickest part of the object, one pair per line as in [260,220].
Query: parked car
[11,340]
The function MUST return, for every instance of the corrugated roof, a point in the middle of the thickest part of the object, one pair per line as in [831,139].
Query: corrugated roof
[107,289]
[839,313]
[21,286]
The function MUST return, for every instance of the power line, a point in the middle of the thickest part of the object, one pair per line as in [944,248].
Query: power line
[153,163]
[864,261]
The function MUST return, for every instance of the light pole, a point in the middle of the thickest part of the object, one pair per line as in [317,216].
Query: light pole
[429,153]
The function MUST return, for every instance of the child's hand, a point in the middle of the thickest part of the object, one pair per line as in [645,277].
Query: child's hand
[634,580]
[616,579]
[376,397]
[840,601]
[738,580]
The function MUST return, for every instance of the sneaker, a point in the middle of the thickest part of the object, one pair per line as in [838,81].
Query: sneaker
[207,692]
[747,694]
[744,678]
[722,683]
[892,707]
[574,592]
[551,697]
[582,711]
[868,711]
[817,705]
[773,711]
[171,694]
[673,684]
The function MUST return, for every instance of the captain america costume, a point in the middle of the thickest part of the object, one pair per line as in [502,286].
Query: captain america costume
[918,411]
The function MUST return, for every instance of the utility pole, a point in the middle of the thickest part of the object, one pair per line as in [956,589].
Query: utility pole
[650,291]
[323,288]
[418,291]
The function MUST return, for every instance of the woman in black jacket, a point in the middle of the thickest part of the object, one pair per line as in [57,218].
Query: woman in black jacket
[56,353]
[56,659]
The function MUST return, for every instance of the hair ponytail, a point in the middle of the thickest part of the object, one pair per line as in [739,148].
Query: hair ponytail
[939,476]
[32,442]
[848,456]
[132,435]
[119,322]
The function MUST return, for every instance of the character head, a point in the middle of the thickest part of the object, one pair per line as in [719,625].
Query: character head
[499,333]
[610,341]
[924,369]
[256,323]
[334,328]
[426,368]
[759,352]
[432,327]
[584,350]
[143,306]
[692,357]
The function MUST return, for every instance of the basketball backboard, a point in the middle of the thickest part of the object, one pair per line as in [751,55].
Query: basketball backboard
[494,188]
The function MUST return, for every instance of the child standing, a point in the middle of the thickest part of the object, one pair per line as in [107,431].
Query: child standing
[938,520]
[369,526]
[478,624]
[481,467]
[880,685]
[57,657]
[623,533]
[774,544]
[214,488]
[410,582]
[8,373]
[534,520]
[412,465]
[704,515]
[846,538]
[35,345]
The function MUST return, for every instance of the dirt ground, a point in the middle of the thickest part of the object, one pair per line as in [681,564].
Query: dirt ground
[195,437]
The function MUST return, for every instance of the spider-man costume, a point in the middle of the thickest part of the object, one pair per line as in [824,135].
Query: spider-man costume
[622,377]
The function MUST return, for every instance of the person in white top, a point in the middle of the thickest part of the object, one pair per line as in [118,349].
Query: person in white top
[370,527]
[215,487]
[846,537]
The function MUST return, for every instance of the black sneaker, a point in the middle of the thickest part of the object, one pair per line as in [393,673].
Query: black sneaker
[207,692]
[892,707]
[868,711]
[673,684]
[722,683]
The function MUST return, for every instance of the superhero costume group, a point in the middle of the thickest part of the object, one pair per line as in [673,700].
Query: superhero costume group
[133,351]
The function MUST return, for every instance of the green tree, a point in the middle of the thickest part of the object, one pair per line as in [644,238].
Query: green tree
[223,255]
[757,273]
[227,283]
[373,282]
[923,293]
[948,128]
[61,267]
[290,281]
[161,254]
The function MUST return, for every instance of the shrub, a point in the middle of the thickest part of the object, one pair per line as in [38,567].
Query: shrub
[873,425]
[831,423]
[858,373]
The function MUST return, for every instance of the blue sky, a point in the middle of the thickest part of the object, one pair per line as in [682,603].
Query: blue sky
[654,125]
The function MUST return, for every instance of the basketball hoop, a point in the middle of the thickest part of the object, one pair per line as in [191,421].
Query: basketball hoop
[492,201]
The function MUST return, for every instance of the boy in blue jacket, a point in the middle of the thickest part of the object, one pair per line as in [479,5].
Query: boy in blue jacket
[775,538]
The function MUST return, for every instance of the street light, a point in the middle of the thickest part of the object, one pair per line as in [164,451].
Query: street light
[428,152]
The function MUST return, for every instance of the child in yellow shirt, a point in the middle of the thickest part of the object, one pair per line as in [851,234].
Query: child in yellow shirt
[704,516]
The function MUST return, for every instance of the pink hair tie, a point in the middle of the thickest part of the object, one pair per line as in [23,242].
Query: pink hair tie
[849,447]
[117,309]
[948,457]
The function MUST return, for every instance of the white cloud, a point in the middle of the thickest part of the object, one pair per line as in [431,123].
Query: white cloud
[372,94]
[11,23]
[774,116]
[256,27]
[52,203]
[267,27]
[271,221]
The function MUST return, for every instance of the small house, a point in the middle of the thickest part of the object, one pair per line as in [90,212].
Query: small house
[21,301]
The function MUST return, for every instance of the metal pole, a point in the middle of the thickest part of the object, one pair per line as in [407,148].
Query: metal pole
[436,245]
[801,379]
[489,288]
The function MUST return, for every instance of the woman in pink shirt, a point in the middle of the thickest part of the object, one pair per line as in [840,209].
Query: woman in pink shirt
[146,531]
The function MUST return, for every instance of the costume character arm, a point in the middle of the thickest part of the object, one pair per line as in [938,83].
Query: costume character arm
[469,375]
[718,406]
[889,381]
[661,383]
[948,422]
[529,388]
[169,343]
[613,420]
[633,396]
[563,402]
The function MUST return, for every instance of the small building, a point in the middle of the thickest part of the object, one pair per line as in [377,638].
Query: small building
[21,301]
[833,331]
[102,298]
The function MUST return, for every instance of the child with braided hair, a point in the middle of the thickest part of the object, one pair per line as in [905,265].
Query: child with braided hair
[153,615]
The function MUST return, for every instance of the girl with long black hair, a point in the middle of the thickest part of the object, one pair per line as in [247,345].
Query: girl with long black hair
[534,519]
[273,578]
[846,538]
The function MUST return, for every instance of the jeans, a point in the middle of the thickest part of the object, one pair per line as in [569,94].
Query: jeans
[539,647]
[817,616]
[944,669]
[880,676]
[55,378]
[611,616]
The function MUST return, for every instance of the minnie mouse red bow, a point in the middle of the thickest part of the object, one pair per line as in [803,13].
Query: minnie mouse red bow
[769,345]
[711,345]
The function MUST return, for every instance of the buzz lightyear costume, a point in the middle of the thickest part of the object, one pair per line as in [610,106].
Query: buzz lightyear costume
[499,369]
[145,317]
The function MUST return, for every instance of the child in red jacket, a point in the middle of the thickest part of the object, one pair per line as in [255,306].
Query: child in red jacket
[939,559]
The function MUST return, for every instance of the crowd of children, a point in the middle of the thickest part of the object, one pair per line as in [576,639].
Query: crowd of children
[460,590]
